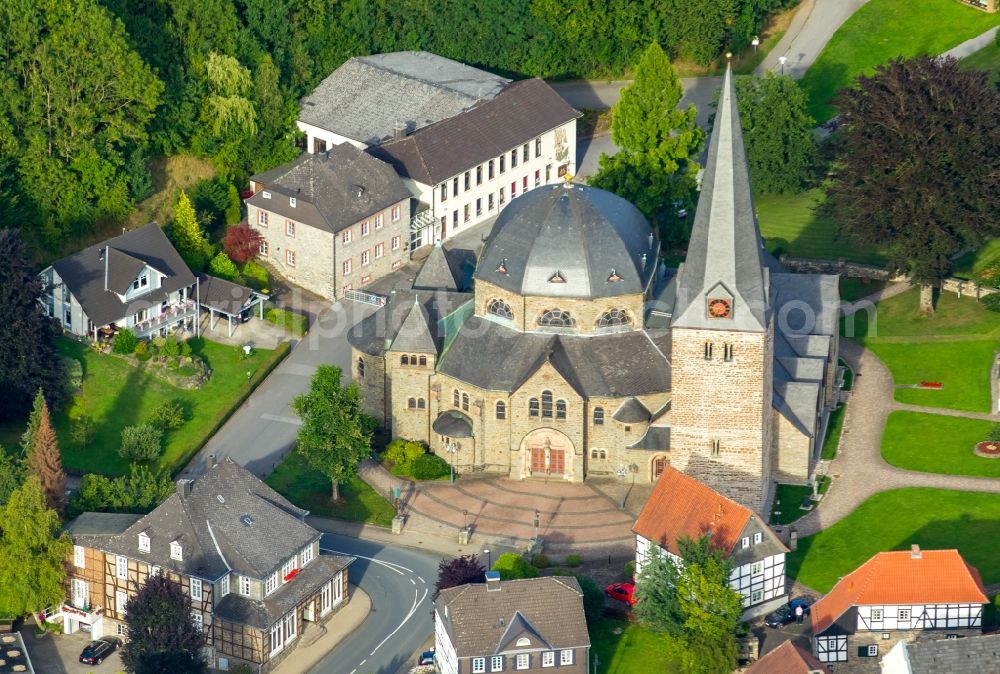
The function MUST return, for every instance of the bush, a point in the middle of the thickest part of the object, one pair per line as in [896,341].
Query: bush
[255,276]
[211,200]
[429,467]
[74,374]
[540,561]
[630,570]
[403,452]
[593,598]
[81,431]
[186,348]
[991,302]
[168,416]
[125,341]
[223,267]
[234,209]
[170,347]
[512,567]
[994,434]
[142,351]
[573,561]
[141,443]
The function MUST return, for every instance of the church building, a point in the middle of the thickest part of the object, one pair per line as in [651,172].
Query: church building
[565,349]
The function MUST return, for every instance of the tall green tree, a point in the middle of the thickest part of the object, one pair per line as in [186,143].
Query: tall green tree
[138,492]
[162,636]
[655,165]
[45,463]
[187,234]
[11,475]
[918,165]
[33,550]
[335,434]
[778,133]
[34,419]
[28,358]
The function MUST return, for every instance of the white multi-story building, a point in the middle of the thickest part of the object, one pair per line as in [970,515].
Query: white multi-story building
[682,507]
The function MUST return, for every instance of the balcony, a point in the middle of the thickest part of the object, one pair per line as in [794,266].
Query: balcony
[175,313]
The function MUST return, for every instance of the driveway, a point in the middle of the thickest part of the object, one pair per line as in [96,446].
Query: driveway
[811,28]
[59,654]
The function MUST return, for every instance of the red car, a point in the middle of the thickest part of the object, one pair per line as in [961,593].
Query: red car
[622,592]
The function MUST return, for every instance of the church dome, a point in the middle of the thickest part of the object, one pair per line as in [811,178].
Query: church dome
[569,241]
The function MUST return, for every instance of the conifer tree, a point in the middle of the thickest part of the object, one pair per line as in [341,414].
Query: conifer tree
[187,234]
[45,463]
[28,437]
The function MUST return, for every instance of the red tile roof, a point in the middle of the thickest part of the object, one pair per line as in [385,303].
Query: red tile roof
[902,577]
[787,659]
[682,506]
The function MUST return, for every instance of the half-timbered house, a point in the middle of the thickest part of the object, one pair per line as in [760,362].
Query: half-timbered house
[901,595]
[243,554]
[681,506]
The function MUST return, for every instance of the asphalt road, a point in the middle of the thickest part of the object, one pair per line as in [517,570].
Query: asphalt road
[400,583]
[811,28]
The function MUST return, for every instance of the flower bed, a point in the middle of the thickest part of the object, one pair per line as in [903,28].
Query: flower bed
[930,385]
[987,449]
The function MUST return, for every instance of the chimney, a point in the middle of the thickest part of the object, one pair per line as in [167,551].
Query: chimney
[104,257]
[492,581]
[399,130]
[915,552]
[183,487]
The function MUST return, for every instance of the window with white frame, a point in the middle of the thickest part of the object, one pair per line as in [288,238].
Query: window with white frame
[289,228]
[346,267]
[143,543]
[876,614]
[478,665]
[262,218]
[523,661]
[196,588]
[379,250]
[288,567]
[872,650]
[277,636]
[121,629]
[496,663]
[267,195]
[198,620]
[244,586]
[224,586]
[271,583]
[324,599]
[121,566]
[290,257]
[290,626]
[79,556]
[307,554]
[175,551]
[756,596]
[121,598]
[262,249]
[549,659]
[81,592]
[566,657]
[756,568]
[395,243]
[379,221]
[904,614]
[365,228]
[155,570]
[395,211]
[757,538]
[745,542]
[292,202]
[365,258]
[345,236]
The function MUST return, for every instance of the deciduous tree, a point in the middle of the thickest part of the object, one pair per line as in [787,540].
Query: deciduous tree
[459,571]
[335,434]
[45,463]
[33,551]
[162,636]
[918,171]
[242,243]
[138,492]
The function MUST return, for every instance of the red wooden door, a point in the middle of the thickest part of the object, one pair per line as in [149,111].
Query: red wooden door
[557,461]
[659,465]
[537,460]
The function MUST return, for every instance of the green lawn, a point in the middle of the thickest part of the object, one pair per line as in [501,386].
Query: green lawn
[789,224]
[833,430]
[853,289]
[308,489]
[884,29]
[634,649]
[987,58]
[898,317]
[970,263]
[892,520]
[937,444]
[116,394]
[788,498]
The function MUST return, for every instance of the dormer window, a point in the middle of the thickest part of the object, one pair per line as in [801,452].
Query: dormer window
[267,195]
[175,551]
[143,542]
[291,201]
[140,282]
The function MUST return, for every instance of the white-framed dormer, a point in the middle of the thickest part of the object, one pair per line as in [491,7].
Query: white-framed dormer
[148,279]
[176,551]
[143,542]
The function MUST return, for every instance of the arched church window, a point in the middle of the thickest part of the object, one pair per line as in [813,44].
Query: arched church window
[404,359]
[465,402]
[412,403]
[560,409]
[556,318]
[546,404]
[598,416]
[497,307]
[612,318]
[501,410]
[533,407]
[361,368]
[455,398]
[423,360]
[421,404]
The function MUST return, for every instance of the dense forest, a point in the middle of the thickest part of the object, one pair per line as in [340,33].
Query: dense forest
[90,89]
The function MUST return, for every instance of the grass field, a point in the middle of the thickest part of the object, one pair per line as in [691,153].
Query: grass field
[308,489]
[788,498]
[969,264]
[885,29]
[937,444]
[633,649]
[853,289]
[833,431]
[987,59]
[892,520]
[790,222]
[116,394]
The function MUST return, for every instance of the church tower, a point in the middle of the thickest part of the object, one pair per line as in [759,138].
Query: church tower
[722,329]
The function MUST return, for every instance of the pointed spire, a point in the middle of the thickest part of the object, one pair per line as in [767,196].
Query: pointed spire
[724,260]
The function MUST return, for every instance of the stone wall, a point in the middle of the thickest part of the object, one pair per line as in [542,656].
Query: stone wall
[391,231]
[374,384]
[410,382]
[792,452]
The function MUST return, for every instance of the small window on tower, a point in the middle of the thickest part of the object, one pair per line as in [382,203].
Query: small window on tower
[727,352]
[708,351]
[715,447]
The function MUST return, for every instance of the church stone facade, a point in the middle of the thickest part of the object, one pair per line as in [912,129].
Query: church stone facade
[564,349]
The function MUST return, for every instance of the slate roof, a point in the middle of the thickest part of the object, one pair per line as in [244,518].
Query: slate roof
[681,506]
[788,659]
[900,577]
[223,295]
[969,655]
[94,529]
[518,114]
[83,273]
[415,334]
[725,256]
[597,243]
[614,365]
[332,190]
[446,269]
[375,333]
[477,620]
[264,613]
[368,97]
[655,438]
[631,411]
[210,531]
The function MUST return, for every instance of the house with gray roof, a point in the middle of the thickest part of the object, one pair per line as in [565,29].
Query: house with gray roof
[532,624]
[242,552]
[136,281]
[332,221]
[968,655]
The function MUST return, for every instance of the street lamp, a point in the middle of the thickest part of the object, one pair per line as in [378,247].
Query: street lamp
[755,42]
[452,447]
[489,559]
[621,473]
[782,60]
[537,519]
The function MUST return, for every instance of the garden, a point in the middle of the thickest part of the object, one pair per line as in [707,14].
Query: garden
[893,520]
[933,443]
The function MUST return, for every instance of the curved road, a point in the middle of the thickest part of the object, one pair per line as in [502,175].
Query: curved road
[400,582]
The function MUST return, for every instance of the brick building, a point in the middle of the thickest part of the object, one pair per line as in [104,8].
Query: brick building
[578,352]
[331,221]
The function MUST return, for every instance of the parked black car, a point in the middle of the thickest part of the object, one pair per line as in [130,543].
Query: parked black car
[786,613]
[95,652]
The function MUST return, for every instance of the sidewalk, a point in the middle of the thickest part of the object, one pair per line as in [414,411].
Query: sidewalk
[445,546]
[811,28]
[321,639]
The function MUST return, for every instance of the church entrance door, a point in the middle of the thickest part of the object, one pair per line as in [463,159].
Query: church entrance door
[557,461]
[537,460]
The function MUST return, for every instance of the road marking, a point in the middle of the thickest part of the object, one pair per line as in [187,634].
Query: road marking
[422,580]
[413,581]
[285,420]
[390,565]
[363,662]
[413,609]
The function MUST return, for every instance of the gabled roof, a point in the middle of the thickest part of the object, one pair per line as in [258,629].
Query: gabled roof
[518,114]
[631,411]
[375,333]
[222,295]
[902,577]
[332,190]
[725,257]
[681,506]
[969,655]
[83,273]
[478,621]
[788,659]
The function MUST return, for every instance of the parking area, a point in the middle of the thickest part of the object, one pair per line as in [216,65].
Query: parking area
[60,654]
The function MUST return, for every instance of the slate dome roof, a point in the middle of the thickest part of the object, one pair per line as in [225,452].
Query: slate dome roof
[570,241]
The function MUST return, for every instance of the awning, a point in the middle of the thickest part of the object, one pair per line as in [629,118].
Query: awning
[453,424]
